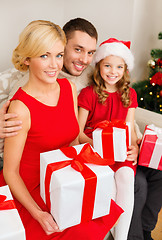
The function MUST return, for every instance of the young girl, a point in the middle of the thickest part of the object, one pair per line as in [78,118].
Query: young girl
[109,98]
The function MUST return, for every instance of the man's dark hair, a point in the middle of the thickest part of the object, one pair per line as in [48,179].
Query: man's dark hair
[80,24]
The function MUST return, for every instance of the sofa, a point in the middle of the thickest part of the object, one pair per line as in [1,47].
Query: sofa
[145,117]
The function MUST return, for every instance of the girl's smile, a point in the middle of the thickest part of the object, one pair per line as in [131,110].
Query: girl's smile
[112,70]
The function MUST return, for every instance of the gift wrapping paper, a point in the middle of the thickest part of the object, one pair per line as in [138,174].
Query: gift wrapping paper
[111,140]
[75,197]
[11,227]
[151,148]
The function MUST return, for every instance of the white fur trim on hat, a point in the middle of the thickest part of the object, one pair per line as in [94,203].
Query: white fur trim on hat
[116,49]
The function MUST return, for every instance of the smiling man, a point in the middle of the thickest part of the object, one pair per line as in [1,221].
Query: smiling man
[81,45]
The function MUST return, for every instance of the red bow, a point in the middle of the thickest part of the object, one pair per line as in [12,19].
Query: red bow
[107,137]
[115,123]
[86,155]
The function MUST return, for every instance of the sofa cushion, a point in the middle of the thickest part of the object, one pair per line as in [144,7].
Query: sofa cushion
[7,80]
[145,117]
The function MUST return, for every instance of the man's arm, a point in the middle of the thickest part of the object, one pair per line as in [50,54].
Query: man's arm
[10,81]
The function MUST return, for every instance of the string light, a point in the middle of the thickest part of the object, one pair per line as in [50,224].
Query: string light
[141,98]
[160,107]
[150,93]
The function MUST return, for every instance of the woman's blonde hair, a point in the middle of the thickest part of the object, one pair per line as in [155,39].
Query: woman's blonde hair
[122,86]
[37,37]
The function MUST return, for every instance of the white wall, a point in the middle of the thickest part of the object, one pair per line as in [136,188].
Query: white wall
[16,14]
[137,20]
[111,18]
[147,23]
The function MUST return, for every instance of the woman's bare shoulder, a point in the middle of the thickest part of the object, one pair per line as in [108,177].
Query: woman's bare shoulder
[18,107]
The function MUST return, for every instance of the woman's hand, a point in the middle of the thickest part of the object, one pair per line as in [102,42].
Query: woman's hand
[132,154]
[47,222]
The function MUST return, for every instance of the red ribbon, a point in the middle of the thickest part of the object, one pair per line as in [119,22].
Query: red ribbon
[86,155]
[6,205]
[147,149]
[107,137]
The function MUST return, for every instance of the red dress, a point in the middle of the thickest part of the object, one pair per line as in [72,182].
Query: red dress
[112,109]
[52,128]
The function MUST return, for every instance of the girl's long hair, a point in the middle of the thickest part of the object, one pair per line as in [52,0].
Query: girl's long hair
[122,86]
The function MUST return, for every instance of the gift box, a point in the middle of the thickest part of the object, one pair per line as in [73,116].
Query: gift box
[11,227]
[111,140]
[151,148]
[76,184]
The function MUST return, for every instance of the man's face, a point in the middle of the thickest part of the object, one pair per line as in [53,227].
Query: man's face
[79,52]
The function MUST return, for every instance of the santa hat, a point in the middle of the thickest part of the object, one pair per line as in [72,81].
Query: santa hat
[115,47]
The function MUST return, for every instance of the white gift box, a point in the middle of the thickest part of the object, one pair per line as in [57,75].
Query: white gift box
[115,150]
[11,227]
[151,148]
[67,189]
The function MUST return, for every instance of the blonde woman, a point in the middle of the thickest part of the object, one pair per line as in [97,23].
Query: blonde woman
[47,107]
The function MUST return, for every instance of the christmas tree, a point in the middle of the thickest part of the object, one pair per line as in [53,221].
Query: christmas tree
[149,92]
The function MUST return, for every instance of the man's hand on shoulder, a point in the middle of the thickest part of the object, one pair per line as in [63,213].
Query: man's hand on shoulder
[8,126]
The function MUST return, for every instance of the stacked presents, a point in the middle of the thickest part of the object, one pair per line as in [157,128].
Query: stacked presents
[76,183]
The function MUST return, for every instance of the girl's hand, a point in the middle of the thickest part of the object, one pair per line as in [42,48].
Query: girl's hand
[139,140]
[132,154]
[47,222]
